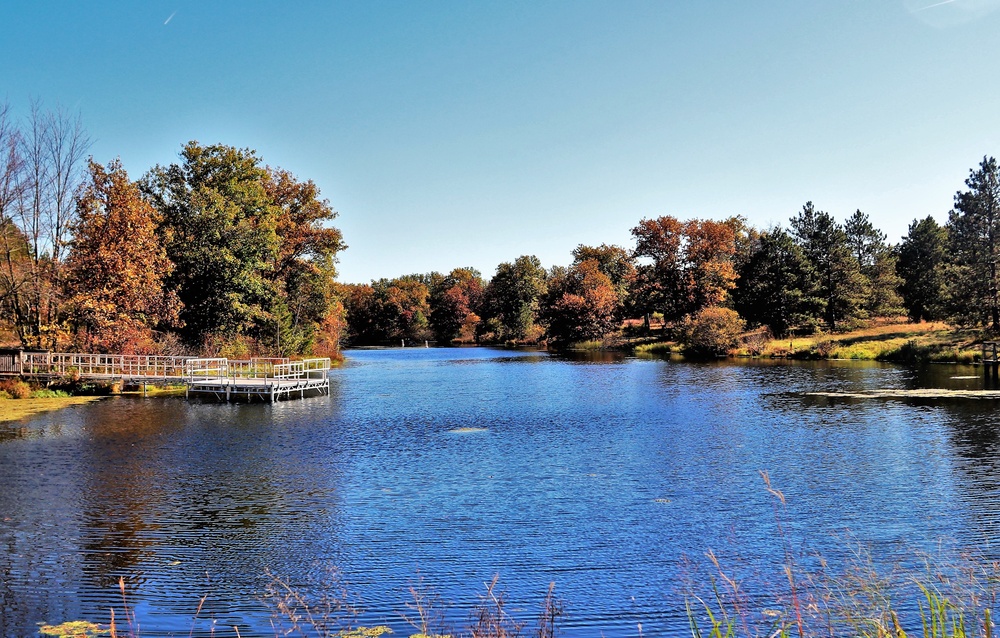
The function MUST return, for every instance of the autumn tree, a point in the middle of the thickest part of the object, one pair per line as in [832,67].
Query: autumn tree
[306,306]
[617,264]
[685,266]
[974,232]
[581,303]
[389,311]
[455,301]
[511,299]
[660,285]
[332,330]
[835,277]
[923,258]
[117,267]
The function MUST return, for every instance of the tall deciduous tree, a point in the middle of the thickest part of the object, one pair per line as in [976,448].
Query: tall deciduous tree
[512,296]
[117,267]
[42,171]
[220,226]
[581,303]
[306,307]
[923,256]
[974,230]
[686,266]
[15,251]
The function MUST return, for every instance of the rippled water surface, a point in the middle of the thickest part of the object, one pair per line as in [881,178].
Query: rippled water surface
[447,466]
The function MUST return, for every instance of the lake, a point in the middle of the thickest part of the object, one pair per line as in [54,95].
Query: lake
[440,468]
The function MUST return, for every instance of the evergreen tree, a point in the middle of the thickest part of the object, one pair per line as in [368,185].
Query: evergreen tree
[974,233]
[834,274]
[923,256]
[877,263]
[772,281]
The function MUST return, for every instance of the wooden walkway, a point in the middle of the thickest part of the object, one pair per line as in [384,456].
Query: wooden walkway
[267,379]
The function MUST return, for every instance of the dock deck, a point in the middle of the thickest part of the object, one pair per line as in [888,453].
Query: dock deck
[269,379]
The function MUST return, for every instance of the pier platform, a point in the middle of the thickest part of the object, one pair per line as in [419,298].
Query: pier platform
[268,379]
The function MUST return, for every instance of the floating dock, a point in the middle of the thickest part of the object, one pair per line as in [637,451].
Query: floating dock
[268,379]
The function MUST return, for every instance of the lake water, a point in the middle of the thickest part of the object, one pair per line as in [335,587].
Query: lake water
[439,468]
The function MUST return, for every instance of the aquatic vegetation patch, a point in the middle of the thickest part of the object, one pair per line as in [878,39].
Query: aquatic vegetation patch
[74,629]
[16,410]
[658,347]
[365,632]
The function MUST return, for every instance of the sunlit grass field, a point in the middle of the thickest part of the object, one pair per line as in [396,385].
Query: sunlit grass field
[904,342]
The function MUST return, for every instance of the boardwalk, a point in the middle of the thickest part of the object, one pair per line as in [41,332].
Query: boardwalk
[263,378]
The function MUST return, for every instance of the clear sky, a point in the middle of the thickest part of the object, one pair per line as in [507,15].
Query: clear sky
[467,133]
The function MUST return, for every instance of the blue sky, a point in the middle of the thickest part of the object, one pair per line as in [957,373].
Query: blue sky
[467,133]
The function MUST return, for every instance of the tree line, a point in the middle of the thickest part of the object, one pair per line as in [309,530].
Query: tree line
[699,275]
[217,253]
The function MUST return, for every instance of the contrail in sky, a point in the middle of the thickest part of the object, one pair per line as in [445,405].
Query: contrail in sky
[175,13]
[930,6]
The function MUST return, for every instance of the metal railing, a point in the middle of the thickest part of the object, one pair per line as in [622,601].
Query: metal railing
[102,365]
[189,369]
[206,369]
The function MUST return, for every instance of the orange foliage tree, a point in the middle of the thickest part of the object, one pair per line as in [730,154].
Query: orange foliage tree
[684,266]
[581,303]
[117,267]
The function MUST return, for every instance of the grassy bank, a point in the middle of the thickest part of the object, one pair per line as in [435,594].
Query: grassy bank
[935,342]
[898,342]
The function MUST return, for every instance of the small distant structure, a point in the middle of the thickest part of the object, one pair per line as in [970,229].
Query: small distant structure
[269,379]
[991,358]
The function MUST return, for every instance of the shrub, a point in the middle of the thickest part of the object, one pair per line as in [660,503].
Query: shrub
[824,349]
[658,347]
[756,342]
[46,393]
[16,388]
[713,331]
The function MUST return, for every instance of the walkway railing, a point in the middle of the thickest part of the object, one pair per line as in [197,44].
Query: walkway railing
[269,378]
[102,365]
[127,366]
